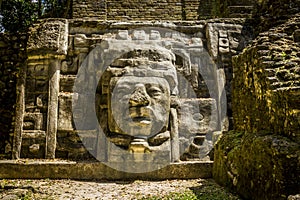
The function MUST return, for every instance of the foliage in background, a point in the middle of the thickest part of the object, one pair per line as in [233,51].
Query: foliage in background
[56,8]
[18,15]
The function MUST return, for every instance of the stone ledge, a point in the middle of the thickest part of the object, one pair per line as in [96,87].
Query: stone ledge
[41,169]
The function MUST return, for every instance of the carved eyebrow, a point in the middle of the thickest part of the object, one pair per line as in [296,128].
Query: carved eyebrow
[155,88]
[123,87]
[122,82]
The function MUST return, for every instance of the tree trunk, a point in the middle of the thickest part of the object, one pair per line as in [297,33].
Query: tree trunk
[68,6]
[39,8]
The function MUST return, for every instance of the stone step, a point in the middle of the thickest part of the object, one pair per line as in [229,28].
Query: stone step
[41,169]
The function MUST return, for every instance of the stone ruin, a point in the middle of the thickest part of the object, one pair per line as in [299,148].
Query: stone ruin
[135,95]
[144,90]
[79,75]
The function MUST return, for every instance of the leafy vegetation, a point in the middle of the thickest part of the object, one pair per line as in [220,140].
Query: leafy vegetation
[56,8]
[18,15]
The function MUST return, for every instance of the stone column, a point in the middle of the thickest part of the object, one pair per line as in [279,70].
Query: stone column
[20,109]
[50,37]
[54,75]
[174,136]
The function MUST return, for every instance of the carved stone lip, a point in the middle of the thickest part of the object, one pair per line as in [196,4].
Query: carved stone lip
[142,120]
[142,112]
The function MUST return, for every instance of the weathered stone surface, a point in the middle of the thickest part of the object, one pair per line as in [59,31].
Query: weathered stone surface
[161,10]
[270,13]
[99,171]
[271,88]
[65,112]
[197,116]
[260,159]
[66,83]
[226,36]
[50,36]
[36,119]
[73,147]
[196,71]
[33,144]
[83,37]
[294,197]
[257,166]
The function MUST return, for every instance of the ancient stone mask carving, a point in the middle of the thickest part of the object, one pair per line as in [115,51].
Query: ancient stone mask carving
[139,100]
[140,106]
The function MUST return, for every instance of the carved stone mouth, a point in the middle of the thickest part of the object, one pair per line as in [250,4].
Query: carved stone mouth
[142,120]
[139,112]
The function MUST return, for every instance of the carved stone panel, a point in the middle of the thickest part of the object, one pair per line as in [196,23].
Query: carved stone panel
[50,36]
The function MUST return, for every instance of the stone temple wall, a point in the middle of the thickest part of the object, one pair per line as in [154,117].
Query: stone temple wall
[57,50]
[161,9]
[89,9]
[266,136]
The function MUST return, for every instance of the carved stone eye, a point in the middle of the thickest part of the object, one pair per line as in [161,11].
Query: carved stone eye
[154,91]
[198,117]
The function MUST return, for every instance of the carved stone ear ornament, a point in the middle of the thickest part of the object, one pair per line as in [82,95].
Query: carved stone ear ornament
[175,103]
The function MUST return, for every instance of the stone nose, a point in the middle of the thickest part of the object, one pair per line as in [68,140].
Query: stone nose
[139,97]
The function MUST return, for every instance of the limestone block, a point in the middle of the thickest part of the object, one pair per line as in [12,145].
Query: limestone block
[138,35]
[223,46]
[212,35]
[34,148]
[41,85]
[122,35]
[154,35]
[33,144]
[80,40]
[256,165]
[41,70]
[65,112]
[50,35]
[33,121]
[223,34]
[137,162]
[34,134]
[67,83]
[220,31]
[197,42]
[8,148]
[197,117]
[294,197]
[296,35]
[223,42]
[224,50]
[70,66]
[42,101]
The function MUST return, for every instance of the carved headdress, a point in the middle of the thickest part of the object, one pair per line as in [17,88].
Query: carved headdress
[158,62]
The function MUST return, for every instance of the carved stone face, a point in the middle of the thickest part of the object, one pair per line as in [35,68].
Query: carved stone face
[138,106]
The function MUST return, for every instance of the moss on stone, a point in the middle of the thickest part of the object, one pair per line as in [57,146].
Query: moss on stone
[257,166]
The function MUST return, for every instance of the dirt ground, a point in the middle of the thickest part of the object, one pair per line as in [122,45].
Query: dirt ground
[71,189]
